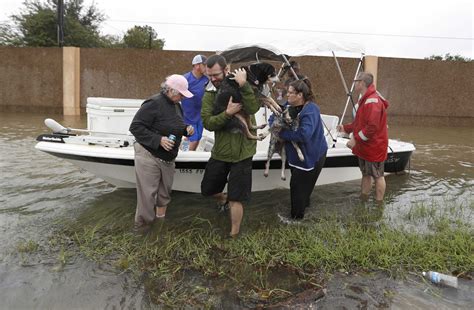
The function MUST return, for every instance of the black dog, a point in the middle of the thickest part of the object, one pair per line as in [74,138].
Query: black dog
[257,75]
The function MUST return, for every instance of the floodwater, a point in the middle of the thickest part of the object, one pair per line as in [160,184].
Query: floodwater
[38,190]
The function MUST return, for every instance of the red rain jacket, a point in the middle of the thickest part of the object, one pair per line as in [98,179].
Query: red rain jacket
[370,127]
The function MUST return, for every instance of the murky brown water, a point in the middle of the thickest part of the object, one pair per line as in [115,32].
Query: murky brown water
[37,190]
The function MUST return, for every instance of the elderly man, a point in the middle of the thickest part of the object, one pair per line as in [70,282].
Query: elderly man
[192,106]
[158,127]
[231,155]
[370,136]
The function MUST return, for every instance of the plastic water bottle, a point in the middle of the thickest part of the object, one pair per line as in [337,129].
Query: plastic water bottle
[185,145]
[440,278]
[172,137]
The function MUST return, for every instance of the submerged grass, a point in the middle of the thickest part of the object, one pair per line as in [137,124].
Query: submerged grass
[460,211]
[29,246]
[180,261]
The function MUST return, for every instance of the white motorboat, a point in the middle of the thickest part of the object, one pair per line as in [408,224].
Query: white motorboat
[107,151]
[105,148]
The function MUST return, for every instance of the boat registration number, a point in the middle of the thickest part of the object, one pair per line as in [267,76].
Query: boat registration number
[192,171]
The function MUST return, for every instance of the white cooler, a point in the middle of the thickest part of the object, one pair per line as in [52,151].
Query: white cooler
[111,115]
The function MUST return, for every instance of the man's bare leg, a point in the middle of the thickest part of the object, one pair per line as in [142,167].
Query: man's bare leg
[366,184]
[221,198]
[236,214]
[379,189]
[160,212]
[193,145]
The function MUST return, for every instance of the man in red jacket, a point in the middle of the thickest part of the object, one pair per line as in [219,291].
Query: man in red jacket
[369,139]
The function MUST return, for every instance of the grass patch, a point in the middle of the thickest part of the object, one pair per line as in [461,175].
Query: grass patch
[436,216]
[191,264]
[29,246]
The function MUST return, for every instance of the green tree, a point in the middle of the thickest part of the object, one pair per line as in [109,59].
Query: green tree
[449,57]
[111,41]
[36,25]
[142,37]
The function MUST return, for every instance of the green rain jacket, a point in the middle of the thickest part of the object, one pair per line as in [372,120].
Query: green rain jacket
[228,146]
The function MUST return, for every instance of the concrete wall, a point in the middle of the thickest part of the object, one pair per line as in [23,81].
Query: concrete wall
[327,85]
[128,73]
[31,79]
[430,92]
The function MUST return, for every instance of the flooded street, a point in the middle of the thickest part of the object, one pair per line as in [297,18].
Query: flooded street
[38,192]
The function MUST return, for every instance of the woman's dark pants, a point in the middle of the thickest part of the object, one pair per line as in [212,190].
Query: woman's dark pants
[301,186]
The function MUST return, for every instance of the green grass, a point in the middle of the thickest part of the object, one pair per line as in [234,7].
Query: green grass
[435,210]
[29,246]
[276,260]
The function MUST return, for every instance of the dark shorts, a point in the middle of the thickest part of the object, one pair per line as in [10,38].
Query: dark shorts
[374,169]
[238,175]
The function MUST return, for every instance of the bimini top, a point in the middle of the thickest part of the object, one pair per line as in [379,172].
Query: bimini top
[292,47]
[252,52]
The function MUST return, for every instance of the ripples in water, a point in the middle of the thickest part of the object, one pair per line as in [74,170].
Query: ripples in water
[37,189]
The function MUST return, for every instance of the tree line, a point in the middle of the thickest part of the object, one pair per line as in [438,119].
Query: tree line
[37,25]
[449,57]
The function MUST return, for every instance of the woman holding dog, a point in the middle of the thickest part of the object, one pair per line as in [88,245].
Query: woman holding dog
[310,138]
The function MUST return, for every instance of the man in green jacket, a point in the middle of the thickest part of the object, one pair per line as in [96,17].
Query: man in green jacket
[231,155]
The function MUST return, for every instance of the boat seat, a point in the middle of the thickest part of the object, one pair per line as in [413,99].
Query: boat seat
[205,144]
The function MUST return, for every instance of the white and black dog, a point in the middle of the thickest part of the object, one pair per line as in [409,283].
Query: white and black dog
[277,145]
[257,75]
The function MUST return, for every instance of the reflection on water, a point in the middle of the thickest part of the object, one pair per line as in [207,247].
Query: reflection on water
[413,294]
[37,190]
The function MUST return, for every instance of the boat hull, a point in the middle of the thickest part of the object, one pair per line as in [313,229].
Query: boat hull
[116,166]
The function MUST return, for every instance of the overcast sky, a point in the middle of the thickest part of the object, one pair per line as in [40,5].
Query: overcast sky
[401,28]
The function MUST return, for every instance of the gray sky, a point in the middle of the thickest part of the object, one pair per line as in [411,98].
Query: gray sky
[402,28]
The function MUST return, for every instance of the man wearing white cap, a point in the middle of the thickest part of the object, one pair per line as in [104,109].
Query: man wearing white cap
[158,127]
[192,106]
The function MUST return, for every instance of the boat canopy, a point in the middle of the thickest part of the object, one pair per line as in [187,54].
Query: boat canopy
[296,47]
[253,52]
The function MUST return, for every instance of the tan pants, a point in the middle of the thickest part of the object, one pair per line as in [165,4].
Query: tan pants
[154,182]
